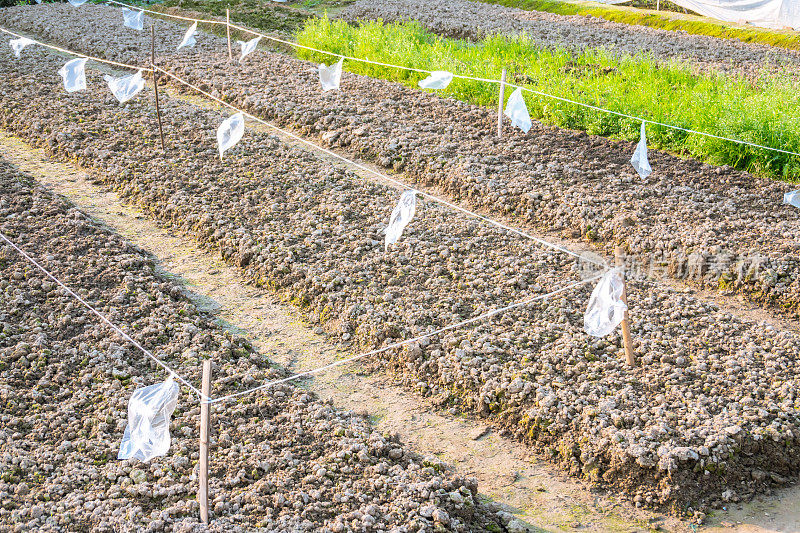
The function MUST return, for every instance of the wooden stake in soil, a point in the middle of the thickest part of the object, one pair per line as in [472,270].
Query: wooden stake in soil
[155,81]
[500,105]
[626,327]
[228,29]
[205,431]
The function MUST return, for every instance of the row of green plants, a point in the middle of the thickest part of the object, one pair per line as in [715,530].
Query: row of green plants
[763,111]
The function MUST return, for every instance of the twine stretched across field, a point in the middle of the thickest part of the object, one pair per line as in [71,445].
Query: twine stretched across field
[204,398]
[399,344]
[465,77]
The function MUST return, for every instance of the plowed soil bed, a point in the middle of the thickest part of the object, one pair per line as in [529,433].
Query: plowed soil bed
[709,415]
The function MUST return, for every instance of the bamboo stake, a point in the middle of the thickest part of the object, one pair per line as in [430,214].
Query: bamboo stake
[205,430]
[626,327]
[500,104]
[228,29]
[155,81]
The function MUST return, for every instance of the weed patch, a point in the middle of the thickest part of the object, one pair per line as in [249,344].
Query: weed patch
[763,111]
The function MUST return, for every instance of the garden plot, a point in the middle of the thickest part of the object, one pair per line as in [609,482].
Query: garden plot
[473,20]
[708,417]
[720,228]
[282,460]
[505,469]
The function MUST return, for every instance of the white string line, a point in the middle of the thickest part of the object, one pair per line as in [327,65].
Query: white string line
[472,78]
[70,52]
[104,319]
[640,119]
[404,342]
[392,180]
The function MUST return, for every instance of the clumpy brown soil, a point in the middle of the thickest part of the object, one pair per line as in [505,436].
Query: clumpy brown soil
[709,416]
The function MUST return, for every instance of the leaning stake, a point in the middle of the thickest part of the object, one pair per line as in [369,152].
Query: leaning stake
[500,105]
[205,430]
[626,327]
[155,80]
[228,30]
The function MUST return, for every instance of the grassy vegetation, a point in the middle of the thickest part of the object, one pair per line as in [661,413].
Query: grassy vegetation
[789,40]
[766,112]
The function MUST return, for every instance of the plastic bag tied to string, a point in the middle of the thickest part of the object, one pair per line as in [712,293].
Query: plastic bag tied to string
[248,46]
[149,411]
[606,308]
[792,198]
[126,87]
[518,112]
[330,76]
[401,216]
[74,75]
[230,132]
[188,37]
[133,19]
[639,159]
[18,44]
[439,79]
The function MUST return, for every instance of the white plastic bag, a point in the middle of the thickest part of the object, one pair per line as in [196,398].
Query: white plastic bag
[230,132]
[330,76]
[439,79]
[133,19]
[518,112]
[74,75]
[18,44]
[126,87]
[77,3]
[639,159]
[248,46]
[606,308]
[188,37]
[401,216]
[792,198]
[149,410]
